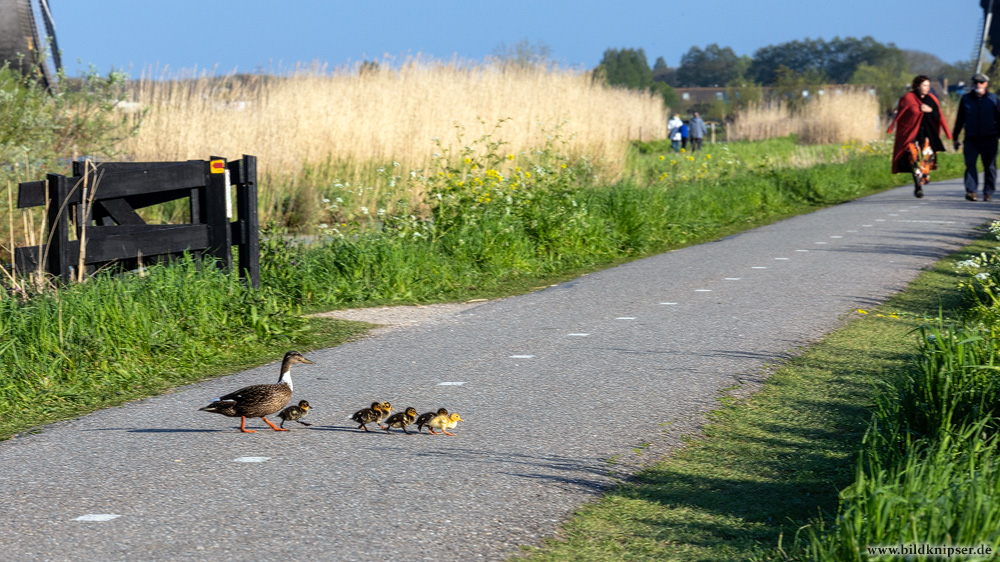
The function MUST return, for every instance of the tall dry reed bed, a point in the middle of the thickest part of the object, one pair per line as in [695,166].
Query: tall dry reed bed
[312,126]
[837,116]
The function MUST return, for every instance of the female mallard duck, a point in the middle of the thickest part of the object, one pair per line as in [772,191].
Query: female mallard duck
[444,423]
[401,420]
[368,415]
[428,416]
[259,400]
[295,413]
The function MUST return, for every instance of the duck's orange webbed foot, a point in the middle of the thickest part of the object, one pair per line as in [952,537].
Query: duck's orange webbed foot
[243,426]
[274,427]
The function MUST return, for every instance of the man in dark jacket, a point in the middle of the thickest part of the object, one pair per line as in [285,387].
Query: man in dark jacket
[979,115]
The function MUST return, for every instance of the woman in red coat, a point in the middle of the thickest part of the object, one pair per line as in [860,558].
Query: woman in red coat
[918,120]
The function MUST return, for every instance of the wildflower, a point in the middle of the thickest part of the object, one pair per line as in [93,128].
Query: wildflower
[683,151]
[708,156]
[325,200]
[364,210]
[323,225]
[510,157]
[468,160]
[662,157]
[860,311]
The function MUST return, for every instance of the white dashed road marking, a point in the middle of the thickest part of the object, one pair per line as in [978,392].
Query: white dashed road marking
[97,517]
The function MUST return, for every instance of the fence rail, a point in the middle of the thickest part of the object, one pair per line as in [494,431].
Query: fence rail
[97,206]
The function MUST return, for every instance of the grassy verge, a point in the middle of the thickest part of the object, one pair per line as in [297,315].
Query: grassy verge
[765,466]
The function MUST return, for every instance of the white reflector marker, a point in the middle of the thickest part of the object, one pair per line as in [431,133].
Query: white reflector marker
[97,517]
[579,335]
[456,383]
[251,459]
[521,356]
[625,318]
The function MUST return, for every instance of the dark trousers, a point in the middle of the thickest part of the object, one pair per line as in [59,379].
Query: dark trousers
[984,148]
[695,143]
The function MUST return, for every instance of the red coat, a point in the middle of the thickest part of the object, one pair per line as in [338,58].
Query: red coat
[907,123]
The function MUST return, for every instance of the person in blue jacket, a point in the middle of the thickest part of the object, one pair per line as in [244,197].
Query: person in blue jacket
[979,115]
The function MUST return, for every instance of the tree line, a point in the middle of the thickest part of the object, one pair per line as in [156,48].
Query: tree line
[785,67]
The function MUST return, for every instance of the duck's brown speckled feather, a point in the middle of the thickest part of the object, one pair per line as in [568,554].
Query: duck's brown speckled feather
[253,401]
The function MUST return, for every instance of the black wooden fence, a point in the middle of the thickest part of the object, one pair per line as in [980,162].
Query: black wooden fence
[102,198]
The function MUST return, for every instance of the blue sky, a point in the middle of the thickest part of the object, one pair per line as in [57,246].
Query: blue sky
[226,35]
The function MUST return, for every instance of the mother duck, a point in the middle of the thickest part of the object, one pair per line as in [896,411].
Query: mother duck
[259,400]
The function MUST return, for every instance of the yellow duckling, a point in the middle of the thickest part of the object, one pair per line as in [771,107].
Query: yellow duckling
[428,416]
[444,423]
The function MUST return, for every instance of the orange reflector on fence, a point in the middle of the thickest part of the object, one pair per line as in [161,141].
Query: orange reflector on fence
[218,166]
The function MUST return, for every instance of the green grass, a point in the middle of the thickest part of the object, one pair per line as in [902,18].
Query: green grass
[114,339]
[768,465]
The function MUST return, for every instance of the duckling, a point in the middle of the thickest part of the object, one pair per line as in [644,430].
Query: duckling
[444,423]
[259,400]
[426,417]
[295,413]
[401,420]
[386,408]
[368,415]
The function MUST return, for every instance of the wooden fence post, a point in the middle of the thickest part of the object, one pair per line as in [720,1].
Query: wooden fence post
[249,229]
[57,245]
[220,237]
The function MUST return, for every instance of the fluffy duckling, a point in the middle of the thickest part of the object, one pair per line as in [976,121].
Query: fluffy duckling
[295,413]
[386,408]
[428,416]
[368,415]
[401,420]
[444,423]
[259,400]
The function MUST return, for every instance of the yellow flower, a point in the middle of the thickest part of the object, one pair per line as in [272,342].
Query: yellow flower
[673,162]
[862,311]
[510,157]
[563,166]
[662,157]
[683,151]
[527,174]
[708,156]
[468,160]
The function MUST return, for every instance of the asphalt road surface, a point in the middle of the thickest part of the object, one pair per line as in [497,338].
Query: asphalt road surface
[551,385]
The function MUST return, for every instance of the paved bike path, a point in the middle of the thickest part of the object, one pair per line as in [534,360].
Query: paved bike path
[551,385]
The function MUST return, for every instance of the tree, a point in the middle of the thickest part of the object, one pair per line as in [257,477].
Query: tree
[629,68]
[626,67]
[713,67]
[890,83]
[524,54]
[837,59]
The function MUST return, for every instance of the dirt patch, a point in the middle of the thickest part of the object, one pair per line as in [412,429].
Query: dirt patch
[394,317]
